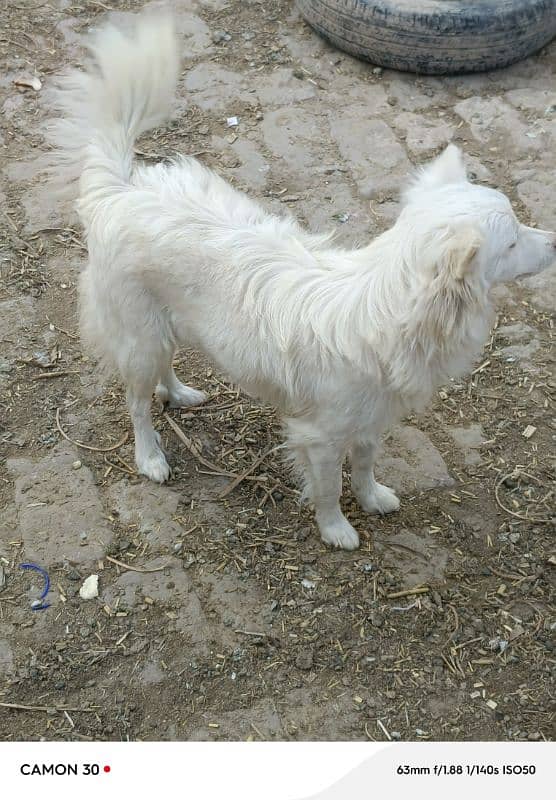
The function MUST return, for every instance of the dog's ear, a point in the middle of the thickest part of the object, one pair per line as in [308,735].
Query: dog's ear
[452,281]
[445,169]
[454,260]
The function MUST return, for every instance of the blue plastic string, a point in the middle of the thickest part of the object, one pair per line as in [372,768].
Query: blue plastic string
[38,605]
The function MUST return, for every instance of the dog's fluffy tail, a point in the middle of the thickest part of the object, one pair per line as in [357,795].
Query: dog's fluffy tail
[126,89]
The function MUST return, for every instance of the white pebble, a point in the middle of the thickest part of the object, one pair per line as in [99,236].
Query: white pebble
[89,590]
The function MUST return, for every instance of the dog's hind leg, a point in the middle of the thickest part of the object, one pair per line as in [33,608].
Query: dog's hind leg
[372,496]
[172,391]
[140,371]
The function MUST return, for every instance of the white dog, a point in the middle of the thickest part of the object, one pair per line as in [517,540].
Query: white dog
[344,343]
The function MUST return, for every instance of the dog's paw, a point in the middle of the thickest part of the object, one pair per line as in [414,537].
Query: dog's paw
[186,396]
[380,500]
[341,534]
[154,466]
[180,397]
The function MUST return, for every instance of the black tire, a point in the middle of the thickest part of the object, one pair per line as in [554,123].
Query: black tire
[435,37]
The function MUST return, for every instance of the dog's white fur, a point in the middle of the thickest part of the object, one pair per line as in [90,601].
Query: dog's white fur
[344,343]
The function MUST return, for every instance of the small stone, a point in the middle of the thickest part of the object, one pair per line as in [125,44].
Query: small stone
[59,685]
[76,464]
[41,358]
[463,92]
[528,431]
[376,619]
[230,160]
[378,71]
[219,37]
[304,659]
[303,534]
[396,735]
[189,561]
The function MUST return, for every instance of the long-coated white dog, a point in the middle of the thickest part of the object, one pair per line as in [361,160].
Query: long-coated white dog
[343,342]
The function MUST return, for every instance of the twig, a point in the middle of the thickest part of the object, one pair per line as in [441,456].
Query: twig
[240,478]
[126,468]
[469,641]
[193,450]
[511,576]
[257,731]
[69,719]
[450,666]
[102,5]
[406,608]
[383,729]
[456,628]
[368,734]
[481,367]
[524,517]
[135,569]
[12,223]
[251,633]
[19,707]
[122,441]
[408,592]
[58,374]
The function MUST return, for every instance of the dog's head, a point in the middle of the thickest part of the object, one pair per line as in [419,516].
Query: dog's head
[472,229]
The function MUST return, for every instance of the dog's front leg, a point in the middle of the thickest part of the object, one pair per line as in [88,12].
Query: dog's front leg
[372,496]
[324,463]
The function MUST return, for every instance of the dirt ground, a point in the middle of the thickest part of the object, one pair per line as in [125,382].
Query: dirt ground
[226,618]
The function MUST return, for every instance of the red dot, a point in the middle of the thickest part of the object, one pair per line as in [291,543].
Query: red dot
[107,768]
